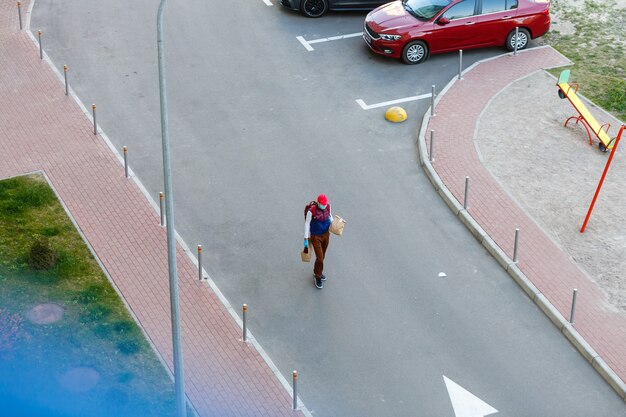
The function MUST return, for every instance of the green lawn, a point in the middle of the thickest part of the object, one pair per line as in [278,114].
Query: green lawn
[96,331]
[596,46]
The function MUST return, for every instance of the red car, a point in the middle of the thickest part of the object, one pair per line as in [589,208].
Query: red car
[414,29]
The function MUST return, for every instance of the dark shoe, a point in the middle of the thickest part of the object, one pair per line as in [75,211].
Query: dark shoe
[323,277]
[318,283]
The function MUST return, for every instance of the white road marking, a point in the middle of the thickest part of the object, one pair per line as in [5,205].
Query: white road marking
[442,275]
[387,103]
[307,44]
[268,2]
[466,404]
[336,38]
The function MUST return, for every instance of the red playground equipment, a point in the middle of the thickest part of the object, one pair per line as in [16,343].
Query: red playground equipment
[585,118]
[606,169]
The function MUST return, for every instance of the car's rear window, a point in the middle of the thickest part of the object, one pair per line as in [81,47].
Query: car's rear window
[493,6]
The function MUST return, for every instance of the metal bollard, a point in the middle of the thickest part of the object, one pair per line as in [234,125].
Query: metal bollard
[571,314]
[19,13]
[467,184]
[95,128]
[65,76]
[40,46]
[432,102]
[515,245]
[516,40]
[126,161]
[161,209]
[199,262]
[245,327]
[460,63]
[432,146]
[295,390]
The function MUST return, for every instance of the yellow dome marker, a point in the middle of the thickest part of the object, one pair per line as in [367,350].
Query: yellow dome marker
[396,114]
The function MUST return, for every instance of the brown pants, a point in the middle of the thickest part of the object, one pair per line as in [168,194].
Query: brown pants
[319,244]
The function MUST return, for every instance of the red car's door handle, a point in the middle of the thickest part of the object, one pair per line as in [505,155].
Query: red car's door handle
[506,17]
[470,23]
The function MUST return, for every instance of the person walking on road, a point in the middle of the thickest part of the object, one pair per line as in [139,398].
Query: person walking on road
[318,218]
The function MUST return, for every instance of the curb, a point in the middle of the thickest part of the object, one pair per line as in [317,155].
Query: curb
[507,263]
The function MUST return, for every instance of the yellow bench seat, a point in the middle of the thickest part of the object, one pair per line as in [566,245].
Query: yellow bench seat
[589,122]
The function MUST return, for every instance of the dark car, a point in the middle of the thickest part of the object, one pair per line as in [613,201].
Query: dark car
[316,8]
[414,29]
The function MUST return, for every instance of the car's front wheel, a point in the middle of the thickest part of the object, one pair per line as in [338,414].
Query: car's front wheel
[314,8]
[523,37]
[415,52]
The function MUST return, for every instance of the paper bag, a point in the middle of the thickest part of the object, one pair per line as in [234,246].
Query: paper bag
[306,257]
[336,227]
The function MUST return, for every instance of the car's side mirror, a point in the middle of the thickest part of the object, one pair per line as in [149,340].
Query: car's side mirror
[443,21]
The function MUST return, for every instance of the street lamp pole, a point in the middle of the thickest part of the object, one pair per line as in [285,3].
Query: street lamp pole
[181,409]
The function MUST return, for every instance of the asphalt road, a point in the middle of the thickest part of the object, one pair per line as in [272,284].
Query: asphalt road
[259,127]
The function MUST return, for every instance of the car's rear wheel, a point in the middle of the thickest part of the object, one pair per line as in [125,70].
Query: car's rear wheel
[415,52]
[314,8]
[523,37]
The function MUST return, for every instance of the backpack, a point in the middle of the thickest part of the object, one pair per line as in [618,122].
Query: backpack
[308,207]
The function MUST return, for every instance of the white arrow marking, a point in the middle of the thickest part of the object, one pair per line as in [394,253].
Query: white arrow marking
[466,404]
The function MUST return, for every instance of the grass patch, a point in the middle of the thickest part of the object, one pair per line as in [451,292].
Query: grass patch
[96,331]
[593,35]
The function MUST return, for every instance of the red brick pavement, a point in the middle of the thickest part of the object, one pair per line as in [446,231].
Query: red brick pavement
[551,270]
[42,129]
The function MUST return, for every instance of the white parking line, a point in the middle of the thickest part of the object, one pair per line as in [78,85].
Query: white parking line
[267,2]
[307,44]
[387,103]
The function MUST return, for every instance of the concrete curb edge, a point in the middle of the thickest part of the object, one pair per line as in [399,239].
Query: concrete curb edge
[513,270]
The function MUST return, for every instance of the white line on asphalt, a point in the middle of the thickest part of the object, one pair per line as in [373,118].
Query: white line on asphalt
[336,38]
[268,2]
[307,44]
[387,103]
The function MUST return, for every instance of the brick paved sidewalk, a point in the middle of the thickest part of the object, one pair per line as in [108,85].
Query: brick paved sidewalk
[42,129]
[540,259]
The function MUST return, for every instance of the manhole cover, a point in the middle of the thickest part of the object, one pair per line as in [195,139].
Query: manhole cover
[45,313]
[79,379]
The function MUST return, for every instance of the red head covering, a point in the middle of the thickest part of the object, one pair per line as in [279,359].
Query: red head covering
[322,199]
